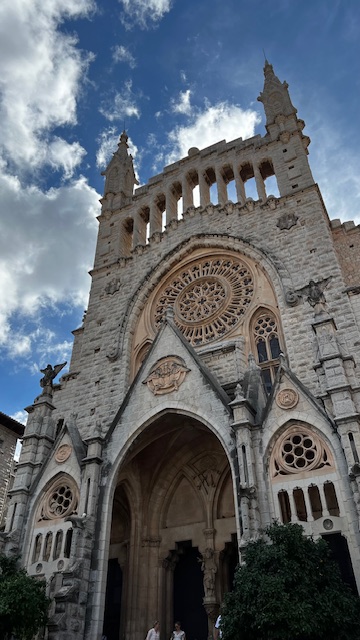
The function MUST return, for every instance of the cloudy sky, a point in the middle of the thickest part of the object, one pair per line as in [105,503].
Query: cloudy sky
[178,73]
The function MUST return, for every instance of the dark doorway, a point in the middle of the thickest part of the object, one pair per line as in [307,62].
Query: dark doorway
[111,627]
[189,593]
[340,553]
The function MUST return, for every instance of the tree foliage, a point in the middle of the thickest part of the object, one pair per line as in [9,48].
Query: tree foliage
[290,589]
[23,602]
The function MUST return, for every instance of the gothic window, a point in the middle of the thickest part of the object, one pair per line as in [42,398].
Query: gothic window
[299,450]
[315,501]
[60,500]
[37,547]
[267,346]
[58,545]
[285,509]
[331,499]
[301,457]
[47,546]
[300,505]
[209,297]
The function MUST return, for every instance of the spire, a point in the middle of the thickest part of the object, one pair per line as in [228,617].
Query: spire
[275,96]
[120,174]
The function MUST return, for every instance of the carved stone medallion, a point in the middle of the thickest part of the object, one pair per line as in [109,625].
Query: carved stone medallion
[63,453]
[287,398]
[166,375]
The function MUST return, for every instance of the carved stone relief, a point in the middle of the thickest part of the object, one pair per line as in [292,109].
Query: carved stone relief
[287,398]
[167,375]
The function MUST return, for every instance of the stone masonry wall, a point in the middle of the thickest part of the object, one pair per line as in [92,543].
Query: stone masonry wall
[291,257]
[7,450]
[347,245]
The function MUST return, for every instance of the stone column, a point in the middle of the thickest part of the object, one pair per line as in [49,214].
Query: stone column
[204,190]
[187,194]
[240,188]
[155,218]
[221,187]
[260,185]
[243,421]
[171,204]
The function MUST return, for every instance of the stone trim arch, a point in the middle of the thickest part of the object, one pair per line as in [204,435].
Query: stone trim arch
[274,269]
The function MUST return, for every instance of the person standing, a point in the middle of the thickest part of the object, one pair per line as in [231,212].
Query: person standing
[217,628]
[178,633]
[154,632]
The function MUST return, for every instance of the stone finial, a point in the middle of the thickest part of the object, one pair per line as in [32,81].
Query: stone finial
[275,96]
[120,175]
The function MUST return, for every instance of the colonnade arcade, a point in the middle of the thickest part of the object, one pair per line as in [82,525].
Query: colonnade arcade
[173,545]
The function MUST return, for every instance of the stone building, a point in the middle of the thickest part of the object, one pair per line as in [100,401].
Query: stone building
[213,387]
[10,431]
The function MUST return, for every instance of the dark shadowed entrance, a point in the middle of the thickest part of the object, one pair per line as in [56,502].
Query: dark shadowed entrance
[189,593]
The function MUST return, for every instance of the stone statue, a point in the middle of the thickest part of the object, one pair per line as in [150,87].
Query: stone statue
[209,568]
[50,374]
[315,294]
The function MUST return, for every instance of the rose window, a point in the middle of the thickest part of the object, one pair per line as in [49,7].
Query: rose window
[300,450]
[61,500]
[209,297]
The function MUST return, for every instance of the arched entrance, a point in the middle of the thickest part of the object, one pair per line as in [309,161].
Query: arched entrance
[173,524]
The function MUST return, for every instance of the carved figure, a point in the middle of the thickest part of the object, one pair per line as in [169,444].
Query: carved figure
[315,294]
[208,566]
[50,374]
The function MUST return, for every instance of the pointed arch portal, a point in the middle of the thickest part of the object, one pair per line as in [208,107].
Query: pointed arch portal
[173,539]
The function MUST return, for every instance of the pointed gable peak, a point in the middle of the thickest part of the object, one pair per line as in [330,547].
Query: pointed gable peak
[120,174]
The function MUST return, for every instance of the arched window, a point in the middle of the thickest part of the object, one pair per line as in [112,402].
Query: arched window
[267,346]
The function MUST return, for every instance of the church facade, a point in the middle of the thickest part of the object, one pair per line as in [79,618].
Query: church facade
[213,387]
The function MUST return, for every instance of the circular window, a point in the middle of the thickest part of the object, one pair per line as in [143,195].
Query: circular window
[299,450]
[209,297]
[60,500]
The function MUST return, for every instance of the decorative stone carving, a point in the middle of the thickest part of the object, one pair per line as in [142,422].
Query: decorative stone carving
[315,294]
[50,374]
[112,286]
[287,220]
[151,541]
[209,297]
[291,298]
[209,568]
[287,398]
[63,453]
[166,375]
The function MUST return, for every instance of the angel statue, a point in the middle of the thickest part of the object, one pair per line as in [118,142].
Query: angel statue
[50,374]
[315,294]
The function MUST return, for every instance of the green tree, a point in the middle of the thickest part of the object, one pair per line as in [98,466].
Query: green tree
[23,602]
[290,589]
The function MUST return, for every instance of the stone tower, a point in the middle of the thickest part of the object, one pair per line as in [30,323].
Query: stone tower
[212,388]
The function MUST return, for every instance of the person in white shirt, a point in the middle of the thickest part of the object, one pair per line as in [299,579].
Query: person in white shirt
[217,629]
[154,632]
[178,633]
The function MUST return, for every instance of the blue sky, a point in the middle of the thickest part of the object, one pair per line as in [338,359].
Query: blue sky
[179,73]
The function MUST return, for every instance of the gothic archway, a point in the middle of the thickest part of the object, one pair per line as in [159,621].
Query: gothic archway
[173,515]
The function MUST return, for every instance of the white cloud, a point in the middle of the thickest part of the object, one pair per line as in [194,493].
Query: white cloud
[182,103]
[334,165]
[121,105]
[46,242]
[20,416]
[122,54]
[144,13]
[214,123]
[41,72]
